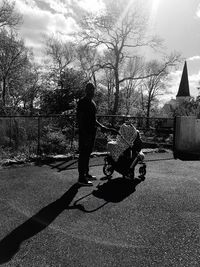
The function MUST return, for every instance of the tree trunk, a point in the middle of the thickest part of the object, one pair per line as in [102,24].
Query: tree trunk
[31,107]
[94,79]
[4,93]
[116,100]
[148,113]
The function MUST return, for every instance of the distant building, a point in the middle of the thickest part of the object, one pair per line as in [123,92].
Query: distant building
[182,95]
[184,90]
[169,107]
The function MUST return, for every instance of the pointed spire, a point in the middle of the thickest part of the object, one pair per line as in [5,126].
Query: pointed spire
[184,90]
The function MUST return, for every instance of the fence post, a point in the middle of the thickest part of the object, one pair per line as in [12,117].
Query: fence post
[72,135]
[38,145]
[174,138]
[10,132]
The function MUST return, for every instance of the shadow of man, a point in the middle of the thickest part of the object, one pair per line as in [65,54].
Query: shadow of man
[10,244]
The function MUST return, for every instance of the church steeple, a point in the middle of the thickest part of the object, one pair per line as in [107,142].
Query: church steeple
[184,91]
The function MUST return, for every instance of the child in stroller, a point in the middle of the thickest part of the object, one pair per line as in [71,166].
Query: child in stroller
[125,153]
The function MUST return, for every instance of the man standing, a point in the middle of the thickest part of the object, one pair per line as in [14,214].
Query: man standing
[87,124]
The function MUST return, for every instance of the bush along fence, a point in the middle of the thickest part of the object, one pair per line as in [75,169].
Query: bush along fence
[35,136]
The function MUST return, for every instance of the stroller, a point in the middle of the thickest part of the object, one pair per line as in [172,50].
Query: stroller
[125,153]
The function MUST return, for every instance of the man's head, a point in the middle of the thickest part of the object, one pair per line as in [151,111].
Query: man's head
[89,90]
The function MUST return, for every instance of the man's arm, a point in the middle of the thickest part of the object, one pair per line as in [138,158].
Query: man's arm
[98,124]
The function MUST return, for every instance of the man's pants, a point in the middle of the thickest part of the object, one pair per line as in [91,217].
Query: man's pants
[86,144]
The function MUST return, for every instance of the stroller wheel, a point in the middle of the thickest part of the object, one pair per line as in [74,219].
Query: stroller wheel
[142,177]
[131,174]
[108,169]
[142,170]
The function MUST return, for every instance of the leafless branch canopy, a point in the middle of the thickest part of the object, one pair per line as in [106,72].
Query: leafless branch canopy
[8,16]
[61,53]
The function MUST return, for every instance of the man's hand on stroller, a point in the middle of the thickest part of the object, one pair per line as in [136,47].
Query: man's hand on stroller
[109,130]
[105,129]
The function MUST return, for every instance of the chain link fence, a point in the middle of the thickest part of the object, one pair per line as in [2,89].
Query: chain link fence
[155,132]
[32,136]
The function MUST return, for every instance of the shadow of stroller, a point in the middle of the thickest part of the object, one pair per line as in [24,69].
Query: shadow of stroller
[114,190]
[10,244]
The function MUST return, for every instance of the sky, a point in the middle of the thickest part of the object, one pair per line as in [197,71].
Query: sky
[177,22]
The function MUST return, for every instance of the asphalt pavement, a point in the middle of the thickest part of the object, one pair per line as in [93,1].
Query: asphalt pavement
[48,220]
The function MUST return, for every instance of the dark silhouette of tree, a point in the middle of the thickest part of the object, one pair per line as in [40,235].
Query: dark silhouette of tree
[8,16]
[14,57]
[188,107]
[70,87]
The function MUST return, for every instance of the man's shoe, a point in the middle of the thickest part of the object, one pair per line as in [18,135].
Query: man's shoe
[84,182]
[90,177]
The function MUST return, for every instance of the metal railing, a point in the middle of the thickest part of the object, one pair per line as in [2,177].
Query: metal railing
[57,134]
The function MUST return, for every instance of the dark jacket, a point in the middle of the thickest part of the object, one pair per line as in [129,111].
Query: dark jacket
[86,116]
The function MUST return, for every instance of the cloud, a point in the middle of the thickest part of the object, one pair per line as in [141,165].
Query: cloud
[198,11]
[91,5]
[38,22]
[194,81]
[193,58]
[55,6]
[172,87]
[50,17]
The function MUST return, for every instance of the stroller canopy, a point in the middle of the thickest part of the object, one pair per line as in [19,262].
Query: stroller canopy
[125,139]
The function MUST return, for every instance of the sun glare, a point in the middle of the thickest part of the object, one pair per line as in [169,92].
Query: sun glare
[153,12]
[155,6]
[124,13]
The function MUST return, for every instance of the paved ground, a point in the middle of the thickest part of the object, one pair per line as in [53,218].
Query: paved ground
[47,220]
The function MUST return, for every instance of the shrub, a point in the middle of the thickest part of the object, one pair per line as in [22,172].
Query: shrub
[53,143]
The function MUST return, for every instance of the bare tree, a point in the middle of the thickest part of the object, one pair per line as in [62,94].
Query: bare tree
[30,87]
[129,92]
[87,58]
[61,55]
[108,82]
[8,16]
[130,96]
[153,86]
[119,33]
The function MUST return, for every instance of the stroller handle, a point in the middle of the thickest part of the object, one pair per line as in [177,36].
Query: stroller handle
[114,131]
